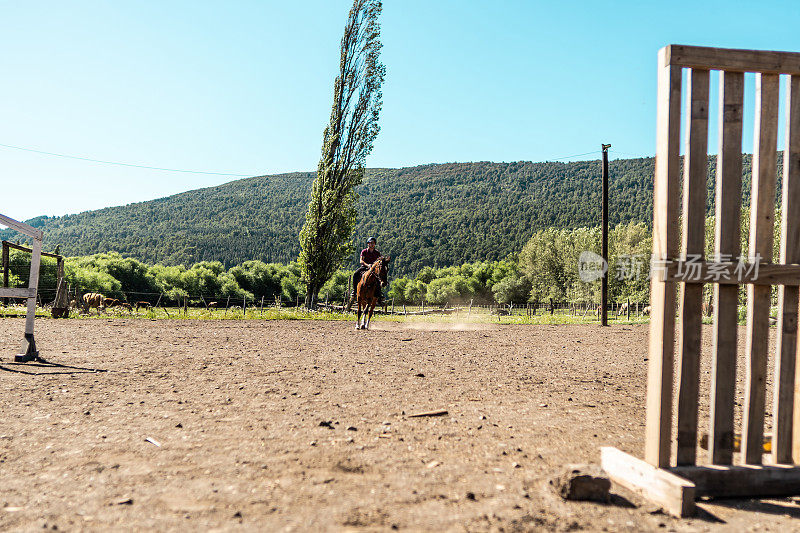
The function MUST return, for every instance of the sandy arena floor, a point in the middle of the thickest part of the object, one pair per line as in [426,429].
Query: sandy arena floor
[301,426]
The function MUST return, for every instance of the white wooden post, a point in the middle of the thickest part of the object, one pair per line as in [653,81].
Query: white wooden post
[29,352]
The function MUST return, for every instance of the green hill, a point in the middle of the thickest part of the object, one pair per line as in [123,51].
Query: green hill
[436,215]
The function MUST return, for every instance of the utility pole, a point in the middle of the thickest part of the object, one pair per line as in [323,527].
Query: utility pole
[604,246]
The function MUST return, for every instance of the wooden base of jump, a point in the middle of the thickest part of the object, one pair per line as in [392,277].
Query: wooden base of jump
[30,352]
[677,488]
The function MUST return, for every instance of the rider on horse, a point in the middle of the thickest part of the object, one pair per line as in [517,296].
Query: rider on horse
[368,256]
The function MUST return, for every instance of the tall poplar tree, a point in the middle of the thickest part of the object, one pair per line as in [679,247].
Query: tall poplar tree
[346,142]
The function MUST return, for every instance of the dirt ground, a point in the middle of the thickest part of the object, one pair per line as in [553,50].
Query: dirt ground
[304,425]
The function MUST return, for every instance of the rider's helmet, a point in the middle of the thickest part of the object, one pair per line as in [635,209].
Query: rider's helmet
[372,239]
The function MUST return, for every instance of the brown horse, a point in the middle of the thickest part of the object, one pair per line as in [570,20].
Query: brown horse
[369,289]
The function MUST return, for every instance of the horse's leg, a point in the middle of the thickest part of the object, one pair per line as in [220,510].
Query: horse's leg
[364,315]
[371,306]
[358,314]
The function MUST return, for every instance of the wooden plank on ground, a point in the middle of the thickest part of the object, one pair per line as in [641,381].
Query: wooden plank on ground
[438,412]
[764,61]
[742,481]
[675,494]
[665,247]
[762,224]
[785,416]
[691,301]
[728,208]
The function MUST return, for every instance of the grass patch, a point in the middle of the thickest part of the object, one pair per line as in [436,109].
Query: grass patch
[293,313]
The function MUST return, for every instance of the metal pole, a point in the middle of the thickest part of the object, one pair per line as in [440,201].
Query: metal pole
[604,249]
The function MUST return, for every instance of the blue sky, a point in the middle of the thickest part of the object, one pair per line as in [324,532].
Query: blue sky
[245,87]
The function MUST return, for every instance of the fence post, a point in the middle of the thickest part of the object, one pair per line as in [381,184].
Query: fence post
[163,306]
[5,269]
[262,306]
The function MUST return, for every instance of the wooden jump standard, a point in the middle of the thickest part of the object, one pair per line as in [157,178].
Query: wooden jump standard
[29,352]
[6,261]
[669,474]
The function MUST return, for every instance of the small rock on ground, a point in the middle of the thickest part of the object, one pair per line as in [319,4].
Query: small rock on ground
[582,483]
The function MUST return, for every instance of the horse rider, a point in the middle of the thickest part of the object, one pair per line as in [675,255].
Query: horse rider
[368,256]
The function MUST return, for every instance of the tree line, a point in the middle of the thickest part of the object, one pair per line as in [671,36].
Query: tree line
[546,267]
[431,215]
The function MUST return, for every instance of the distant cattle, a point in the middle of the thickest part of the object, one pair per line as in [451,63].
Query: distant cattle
[93,300]
[146,305]
[646,310]
[111,302]
[127,306]
[623,309]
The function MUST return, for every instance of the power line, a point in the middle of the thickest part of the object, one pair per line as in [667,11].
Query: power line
[163,169]
[123,164]
[574,155]
[637,156]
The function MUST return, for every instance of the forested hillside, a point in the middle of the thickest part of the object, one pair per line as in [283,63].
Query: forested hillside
[431,215]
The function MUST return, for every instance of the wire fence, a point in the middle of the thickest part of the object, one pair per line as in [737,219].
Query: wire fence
[137,303]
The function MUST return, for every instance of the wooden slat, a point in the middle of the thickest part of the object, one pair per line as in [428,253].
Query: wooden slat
[790,240]
[26,249]
[746,481]
[16,293]
[728,207]
[21,227]
[675,494]
[762,223]
[730,273]
[786,346]
[665,246]
[763,61]
[694,218]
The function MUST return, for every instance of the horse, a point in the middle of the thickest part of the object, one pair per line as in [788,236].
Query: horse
[146,305]
[369,289]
